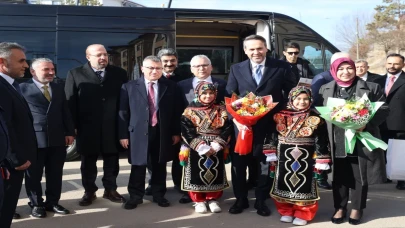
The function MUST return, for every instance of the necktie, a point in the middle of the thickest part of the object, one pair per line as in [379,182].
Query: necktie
[152,107]
[168,75]
[98,73]
[46,93]
[258,74]
[390,84]
[17,87]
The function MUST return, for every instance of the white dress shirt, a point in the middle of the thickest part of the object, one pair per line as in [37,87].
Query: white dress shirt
[197,80]
[254,67]
[40,85]
[364,77]
[155,89]
[103,71]
[8,79]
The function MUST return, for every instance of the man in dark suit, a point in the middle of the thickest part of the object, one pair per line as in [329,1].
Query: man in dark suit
[19,121]
[394,88]
[149,133]
[4,147]
[169,59]
[262,76]
[363,73]
[299,66]
[92,91]
[54,129]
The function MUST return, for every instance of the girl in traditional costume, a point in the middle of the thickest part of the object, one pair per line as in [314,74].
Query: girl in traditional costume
[205,130]
[301,136]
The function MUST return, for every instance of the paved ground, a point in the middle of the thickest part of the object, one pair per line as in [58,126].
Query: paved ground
[386,208]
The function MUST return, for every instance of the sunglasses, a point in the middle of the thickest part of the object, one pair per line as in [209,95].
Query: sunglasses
[295,53]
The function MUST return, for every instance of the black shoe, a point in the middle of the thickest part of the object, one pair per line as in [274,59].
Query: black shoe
[356,221]
[185,199]
[388,181]
[87,198]
[16,215]
[132,204]
[58,209]
[114,196]
[239,206]
[148,191]
[401,185]
[324,184]
[338,220]
[262,208]
[38,212]
[162,202]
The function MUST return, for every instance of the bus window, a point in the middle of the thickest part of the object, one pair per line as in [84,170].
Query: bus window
[126,50]
[328,56]
[221,59]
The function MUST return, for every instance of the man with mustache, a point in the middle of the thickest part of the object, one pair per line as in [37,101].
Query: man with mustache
[394,81]
[93,91]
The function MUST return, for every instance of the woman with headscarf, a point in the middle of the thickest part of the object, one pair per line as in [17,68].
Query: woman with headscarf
[301,137]
[358,170]
[205,130]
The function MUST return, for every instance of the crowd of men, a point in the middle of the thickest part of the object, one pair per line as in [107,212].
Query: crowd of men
[106,114]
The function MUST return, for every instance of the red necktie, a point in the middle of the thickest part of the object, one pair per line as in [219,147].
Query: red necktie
[390,84]
[168,75]
[152,108]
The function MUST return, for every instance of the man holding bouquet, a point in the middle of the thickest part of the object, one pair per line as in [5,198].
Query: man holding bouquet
[261,76]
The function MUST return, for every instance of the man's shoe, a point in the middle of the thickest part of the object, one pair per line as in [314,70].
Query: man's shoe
[162,202]
[113,196]
[87,198]
[58,209]
[16,215]
[262,208]
[148,191]
[239,206]
[38,212]
[324,184]
[400,185]
[185,198]
[132,204]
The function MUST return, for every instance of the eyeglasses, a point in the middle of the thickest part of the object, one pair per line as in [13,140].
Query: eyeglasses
[101,54]
[202,65]
[154,68]
[295,53]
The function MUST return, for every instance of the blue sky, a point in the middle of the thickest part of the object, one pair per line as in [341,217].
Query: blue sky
[321,15]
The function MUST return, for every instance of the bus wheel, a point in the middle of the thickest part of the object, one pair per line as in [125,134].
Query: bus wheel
[72,152]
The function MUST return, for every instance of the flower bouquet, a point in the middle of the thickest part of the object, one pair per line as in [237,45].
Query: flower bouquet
[247,111]
[352,115]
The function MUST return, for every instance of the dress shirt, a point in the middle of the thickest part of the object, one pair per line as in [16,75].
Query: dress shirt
[364,77]
[103,71]
[197,80]
[171,74]
[388,79]
[40,85]
[254,67]
[155,88]
[8,78]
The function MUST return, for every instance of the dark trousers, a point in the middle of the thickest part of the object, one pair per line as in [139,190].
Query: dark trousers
[12,188]
[1,190]
[346,177]
[136,184]
[52,159]
[264,182]
[111,169]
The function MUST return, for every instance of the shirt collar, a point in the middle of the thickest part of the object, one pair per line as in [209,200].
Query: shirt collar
[365,75]
[7,78]
[396,75]
[254,65]
[147,81]
[207,79]
[38,84]
[95,70]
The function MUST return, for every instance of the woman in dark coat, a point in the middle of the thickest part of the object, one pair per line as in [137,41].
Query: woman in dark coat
[358,170]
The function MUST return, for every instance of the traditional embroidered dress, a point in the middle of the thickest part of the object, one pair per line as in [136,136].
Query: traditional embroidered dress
[302,136]
[204,126]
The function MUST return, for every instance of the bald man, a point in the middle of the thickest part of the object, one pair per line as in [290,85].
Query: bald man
[92,91]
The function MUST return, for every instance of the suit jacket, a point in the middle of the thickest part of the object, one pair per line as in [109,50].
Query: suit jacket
[317,82]
[372,163]
[134,118]
[187,89]
[396,102]
[4,138]
[52,120]
[277,80]
[371,77]
[19,122]
[94,106]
